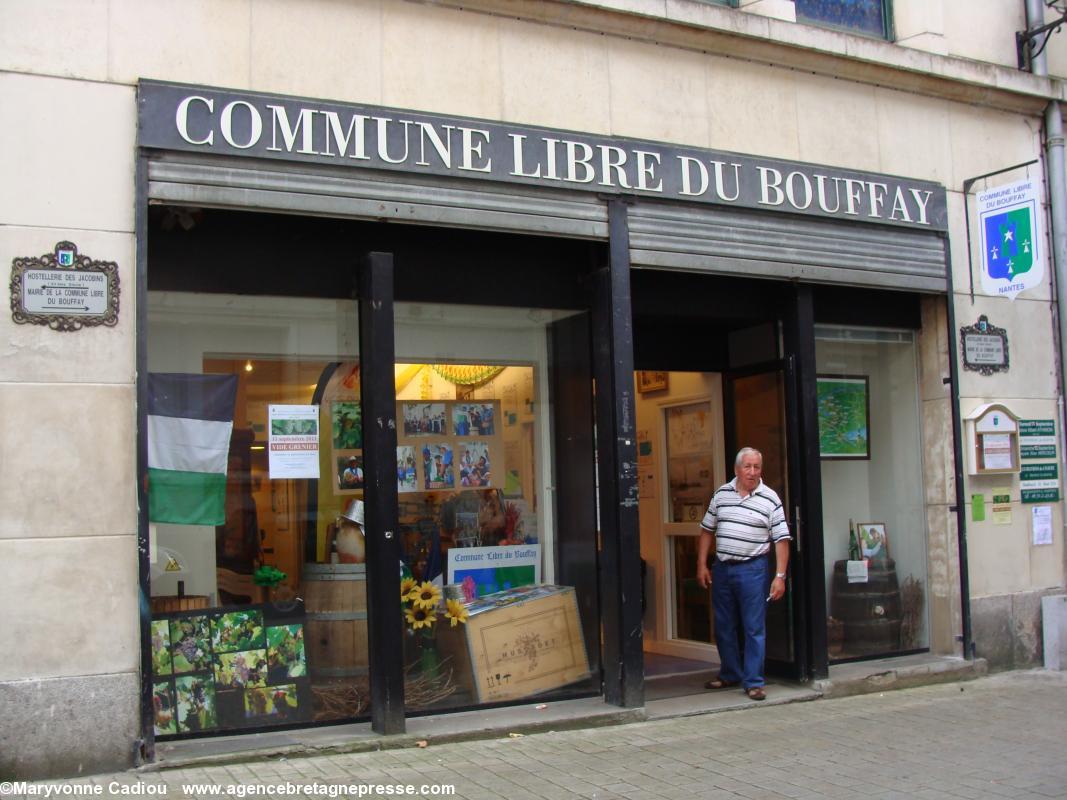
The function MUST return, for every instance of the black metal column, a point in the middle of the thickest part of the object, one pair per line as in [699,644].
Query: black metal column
[620,564]
[812,658]
[147,749]
[378,398]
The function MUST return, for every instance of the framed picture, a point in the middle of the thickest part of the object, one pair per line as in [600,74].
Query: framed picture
[844,403]
[406,476]
[651,381]
[473,419]
[475,464]
[349,473]
[873,542]
[346,425]
[424,419]
[437,466]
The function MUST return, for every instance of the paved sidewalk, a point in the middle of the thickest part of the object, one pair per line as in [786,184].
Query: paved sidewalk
[1003,736]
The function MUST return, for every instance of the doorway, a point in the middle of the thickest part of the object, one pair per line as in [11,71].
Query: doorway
[724,379]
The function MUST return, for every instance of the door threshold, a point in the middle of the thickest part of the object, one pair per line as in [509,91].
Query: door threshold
[711,701]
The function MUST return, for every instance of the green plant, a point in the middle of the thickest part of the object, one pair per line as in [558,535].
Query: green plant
[268,576]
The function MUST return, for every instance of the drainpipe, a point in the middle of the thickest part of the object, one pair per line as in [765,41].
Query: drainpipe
[1057,187]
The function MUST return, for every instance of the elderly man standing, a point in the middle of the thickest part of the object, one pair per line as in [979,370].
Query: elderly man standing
[744,517]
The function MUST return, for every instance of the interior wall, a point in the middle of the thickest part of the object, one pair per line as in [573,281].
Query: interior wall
[889,486]
[654,502]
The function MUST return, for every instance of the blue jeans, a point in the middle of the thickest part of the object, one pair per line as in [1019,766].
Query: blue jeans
[739,594]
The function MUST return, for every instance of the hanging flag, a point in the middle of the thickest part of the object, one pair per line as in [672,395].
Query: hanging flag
[190,419]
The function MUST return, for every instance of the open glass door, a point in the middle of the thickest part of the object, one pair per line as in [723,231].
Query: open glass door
[690,455]
[756,402]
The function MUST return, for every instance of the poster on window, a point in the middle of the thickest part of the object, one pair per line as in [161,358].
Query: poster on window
[454,445]
[224,669]
[293,441]
[493,569]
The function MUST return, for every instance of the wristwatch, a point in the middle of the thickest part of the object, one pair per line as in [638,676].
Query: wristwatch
[779,574]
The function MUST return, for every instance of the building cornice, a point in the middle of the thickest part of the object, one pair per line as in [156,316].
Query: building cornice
[721,31]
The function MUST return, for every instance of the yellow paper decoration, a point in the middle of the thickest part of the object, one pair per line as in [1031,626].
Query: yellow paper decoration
[467,374]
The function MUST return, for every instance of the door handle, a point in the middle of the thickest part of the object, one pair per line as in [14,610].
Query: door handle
[796,516]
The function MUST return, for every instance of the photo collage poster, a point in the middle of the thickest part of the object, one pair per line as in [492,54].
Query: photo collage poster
[346,440]
[245,667]
[449,445]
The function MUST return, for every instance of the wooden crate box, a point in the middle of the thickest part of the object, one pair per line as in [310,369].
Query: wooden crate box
[517,643]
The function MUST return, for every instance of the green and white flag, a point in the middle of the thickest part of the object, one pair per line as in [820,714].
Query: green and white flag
[190,419]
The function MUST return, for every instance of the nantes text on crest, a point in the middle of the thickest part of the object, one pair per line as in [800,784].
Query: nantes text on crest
[64,290]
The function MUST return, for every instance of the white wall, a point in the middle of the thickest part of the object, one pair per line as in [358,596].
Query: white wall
[654,512]
[889,487]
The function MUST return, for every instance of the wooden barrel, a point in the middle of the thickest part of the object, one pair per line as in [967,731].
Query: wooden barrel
[870,612]
[335,599]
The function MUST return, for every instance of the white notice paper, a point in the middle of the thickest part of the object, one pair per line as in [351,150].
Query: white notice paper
[996,451]
[1042,522]
[856,571]
[293,443]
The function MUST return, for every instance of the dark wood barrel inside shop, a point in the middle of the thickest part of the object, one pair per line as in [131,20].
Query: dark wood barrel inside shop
[335,599]
[870,612]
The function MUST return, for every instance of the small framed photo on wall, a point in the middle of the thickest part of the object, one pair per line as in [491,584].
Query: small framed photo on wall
[648,381]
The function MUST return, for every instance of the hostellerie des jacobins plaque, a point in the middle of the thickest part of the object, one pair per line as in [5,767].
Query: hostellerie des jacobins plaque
[64,290]
[984,347]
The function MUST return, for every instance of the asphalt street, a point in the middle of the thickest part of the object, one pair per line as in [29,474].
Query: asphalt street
[1003,736]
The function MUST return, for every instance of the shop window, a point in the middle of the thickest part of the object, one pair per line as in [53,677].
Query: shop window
[473,464]
[874,525]
[869,17]
[243,633]
[259,592]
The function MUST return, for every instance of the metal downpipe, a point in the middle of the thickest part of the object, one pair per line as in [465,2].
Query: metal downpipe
[1057,189]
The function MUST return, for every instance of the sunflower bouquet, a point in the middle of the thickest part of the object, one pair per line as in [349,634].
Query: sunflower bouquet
[421,603]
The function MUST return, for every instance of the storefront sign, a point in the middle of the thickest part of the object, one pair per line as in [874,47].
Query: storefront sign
[1037,438]
[64,290]
[984,347]
[1039,483]
[1013,259]
[226,122]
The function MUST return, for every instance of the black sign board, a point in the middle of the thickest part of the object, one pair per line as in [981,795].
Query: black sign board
[984,347]
[230,122]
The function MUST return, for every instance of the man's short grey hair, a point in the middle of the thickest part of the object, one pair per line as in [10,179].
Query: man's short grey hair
[744,451]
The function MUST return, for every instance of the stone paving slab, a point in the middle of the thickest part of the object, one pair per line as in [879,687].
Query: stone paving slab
[1002,736]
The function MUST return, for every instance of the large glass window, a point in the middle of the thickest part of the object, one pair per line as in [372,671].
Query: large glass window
[248,624]
[473,468]
[874,524]
[869,17]
[260,612]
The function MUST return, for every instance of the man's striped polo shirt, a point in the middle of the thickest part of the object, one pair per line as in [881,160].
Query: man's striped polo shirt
[745,527]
